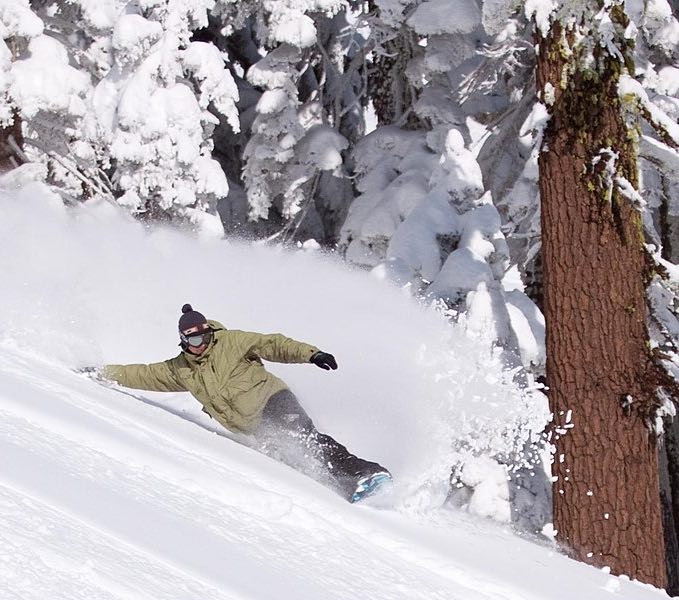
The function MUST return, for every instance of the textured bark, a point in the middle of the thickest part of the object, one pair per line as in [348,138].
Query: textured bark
[391,92]
[669,493]
[8,156]
[606,494]
[669,455]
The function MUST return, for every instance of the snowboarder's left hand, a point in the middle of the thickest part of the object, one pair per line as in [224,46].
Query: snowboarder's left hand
[324,361]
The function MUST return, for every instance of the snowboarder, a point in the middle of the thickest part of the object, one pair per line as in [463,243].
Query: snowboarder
[223,370]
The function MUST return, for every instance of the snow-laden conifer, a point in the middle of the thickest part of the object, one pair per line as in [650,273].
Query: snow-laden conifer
[18,25]
[48,93]
[151,110]
[294,138]
[419,216]
[127,115]
[17,22]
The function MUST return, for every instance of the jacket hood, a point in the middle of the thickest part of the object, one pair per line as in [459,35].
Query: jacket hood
[216,325]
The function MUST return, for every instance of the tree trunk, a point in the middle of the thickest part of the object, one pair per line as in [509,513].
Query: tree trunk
[669,494]
[606,493]
[391,92]
[669,452]
[9,137]
[11,134]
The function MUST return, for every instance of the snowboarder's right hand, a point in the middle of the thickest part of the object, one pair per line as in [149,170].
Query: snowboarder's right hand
[324,361]
[89,371]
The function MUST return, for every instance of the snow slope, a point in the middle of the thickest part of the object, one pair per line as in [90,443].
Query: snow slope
[114,494]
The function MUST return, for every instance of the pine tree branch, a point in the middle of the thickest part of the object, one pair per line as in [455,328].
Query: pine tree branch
[305,209]
[11,142]
[89,181]
[662,132]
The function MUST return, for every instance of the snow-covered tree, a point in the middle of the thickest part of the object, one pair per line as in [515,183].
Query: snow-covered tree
[151,80]
[295,150]
[151,110]
[395,78]
[115,99]
[424,217]
[18,24]
[49,94]
[498,90]
[287,148]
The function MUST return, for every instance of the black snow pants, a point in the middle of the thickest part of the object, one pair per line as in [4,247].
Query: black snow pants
[288,433]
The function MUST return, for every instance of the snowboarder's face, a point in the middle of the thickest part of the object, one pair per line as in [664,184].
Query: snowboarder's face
[197,350]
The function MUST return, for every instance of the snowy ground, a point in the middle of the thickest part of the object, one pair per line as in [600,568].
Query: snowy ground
[112,495]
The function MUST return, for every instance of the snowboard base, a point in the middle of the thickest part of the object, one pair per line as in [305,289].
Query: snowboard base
[369,485]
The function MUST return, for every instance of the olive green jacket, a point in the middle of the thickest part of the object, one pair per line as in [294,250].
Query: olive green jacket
[228,379]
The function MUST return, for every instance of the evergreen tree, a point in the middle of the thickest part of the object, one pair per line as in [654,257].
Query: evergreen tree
[423,217]
[151,110]
[293,159]
[11,136]
[121,109]
[655,56]
[18,24]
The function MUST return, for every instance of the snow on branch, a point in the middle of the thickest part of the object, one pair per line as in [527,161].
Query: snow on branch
[17,19]
[661,153]
[541,11]
[495,14]
[206,64]
[627,190]
[45,81]
[657,24]
[305,83]
[133,36]
[632,92]
[289,21]
[433,17]
[426,223]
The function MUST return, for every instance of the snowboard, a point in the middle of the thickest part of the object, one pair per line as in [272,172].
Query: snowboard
[370,485]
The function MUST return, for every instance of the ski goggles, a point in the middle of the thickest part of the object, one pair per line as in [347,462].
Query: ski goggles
[196,339]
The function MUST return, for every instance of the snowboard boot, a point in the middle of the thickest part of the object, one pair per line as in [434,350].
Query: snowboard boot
[362,478]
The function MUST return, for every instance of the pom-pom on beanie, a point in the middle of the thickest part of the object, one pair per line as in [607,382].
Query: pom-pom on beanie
[190,318]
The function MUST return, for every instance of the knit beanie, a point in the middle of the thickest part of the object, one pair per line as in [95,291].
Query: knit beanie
[190,318]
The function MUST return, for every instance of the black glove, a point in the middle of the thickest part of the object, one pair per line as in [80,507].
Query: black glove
[86,370]
[92,372]
[324,360]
